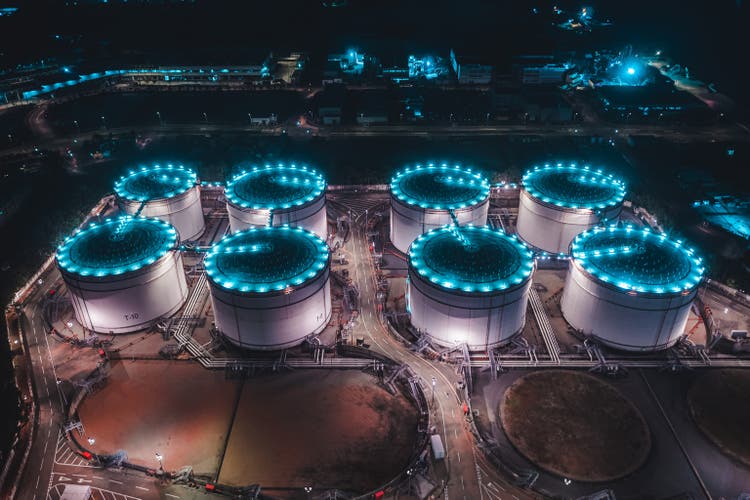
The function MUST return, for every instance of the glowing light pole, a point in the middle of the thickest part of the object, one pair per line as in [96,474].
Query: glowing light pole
[434,382]
[159,457]
[158,115]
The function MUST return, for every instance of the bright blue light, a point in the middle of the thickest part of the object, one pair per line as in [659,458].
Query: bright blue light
[569,185]
[631,71]
[638,260]
[266,259]
[440,186]
[155,182]
[273,187]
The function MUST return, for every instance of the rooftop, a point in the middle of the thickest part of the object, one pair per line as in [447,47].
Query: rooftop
[440,186]
[275,186]
[638,260]
[267,259]
[471,259]
[116,246]
[154,182]
[570,185]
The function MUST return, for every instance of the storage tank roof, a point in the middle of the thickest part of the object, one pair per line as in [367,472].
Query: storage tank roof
[155,182]
[440,186]
[116,246]
[569,185]
[266,259]
[275,186]
[638,260]
[471,259]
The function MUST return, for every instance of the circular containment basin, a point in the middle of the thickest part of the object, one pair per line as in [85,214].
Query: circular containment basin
[559,201]
[167,192]
[468,285]
[278,195]
[270,286]
[430,195]
[124,274]
[574,425]
[630,288]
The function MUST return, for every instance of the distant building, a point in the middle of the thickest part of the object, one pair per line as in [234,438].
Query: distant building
[651,103]
[429,67]
[469,71]
[549,74]
[343,67]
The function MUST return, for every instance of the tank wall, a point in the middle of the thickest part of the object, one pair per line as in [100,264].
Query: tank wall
[132,302]
[628,322]
[552,229]
[479,321]
[184,212]
[409,222]
[311,217]
[275,321]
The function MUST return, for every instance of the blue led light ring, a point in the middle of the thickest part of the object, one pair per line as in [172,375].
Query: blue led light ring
[638,261]
[440,186]
[574,186]
[454,251]
[252,261]
[116,246]
[155,182]
[274,187]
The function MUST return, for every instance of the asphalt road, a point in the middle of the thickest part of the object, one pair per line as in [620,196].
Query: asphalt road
[467,472]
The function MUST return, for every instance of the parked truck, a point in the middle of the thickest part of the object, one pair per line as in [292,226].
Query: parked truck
[438,452]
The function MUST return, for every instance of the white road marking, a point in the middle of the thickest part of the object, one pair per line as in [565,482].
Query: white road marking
[141,488]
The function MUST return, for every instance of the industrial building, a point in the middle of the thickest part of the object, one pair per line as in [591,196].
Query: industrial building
[277,195]
[124,274]
[168,192]
[429,196]
[270,286]
[559,201]
[630,288]
[468,285]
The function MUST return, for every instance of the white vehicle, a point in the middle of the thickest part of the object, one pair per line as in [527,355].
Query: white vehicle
[76,492]
[438,452]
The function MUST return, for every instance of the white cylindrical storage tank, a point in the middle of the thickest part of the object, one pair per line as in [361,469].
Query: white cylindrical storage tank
[468,285]
[124,274]
[429,196]
[167,192]
[559,201]
[270,286]
[630,288]
[278,195]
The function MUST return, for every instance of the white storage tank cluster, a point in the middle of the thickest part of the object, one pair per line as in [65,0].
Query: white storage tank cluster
[468,284]
[123,274]
[630,288]
[278,195]
[270,286]
[429,196]
[559,201]
[168,192]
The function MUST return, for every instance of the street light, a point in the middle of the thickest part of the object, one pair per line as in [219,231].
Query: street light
[434,382]
[158,115]
[104,122]
[159,457]
[91,441]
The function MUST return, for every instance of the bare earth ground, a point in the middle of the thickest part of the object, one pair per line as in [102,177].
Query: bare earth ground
[574,425]
[719,402]
[320,428]
[178,409]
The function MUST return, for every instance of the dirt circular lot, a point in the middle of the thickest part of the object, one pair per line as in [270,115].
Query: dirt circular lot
[574,425]
[719,405]
[320,428]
